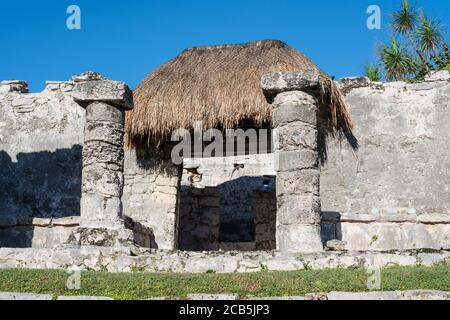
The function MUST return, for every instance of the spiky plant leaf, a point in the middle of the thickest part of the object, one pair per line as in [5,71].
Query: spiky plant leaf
[429,35]
[373,72]
[398,63]
[405,19]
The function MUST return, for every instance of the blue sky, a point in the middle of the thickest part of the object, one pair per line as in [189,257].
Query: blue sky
[125,40]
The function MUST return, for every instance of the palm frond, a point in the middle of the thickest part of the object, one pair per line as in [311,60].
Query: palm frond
[398,63]
[372,72]
[405,19]
[429,35]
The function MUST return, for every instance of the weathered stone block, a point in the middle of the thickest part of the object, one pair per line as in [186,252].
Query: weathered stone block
[63,86]
[278,82]
[296,160]
[113,92]
[101,111]
[103,156]
[100,211]
[66,221]
[110,133]
[87,76]
[297,98]
[301,182]
[299,238]
[296,136]
[291,112]
[430,259]
[442,75]
[29,221]
[15,86]
[284,264]
[105,182]
[336,245]
[102,237]
[22,102]
[434,218]
[391,236]
[349,83]
[293,208]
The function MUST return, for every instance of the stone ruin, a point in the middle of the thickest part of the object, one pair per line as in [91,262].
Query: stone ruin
[69,188]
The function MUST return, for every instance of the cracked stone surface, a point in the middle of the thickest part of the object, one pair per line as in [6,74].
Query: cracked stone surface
[126,259]
[278,82]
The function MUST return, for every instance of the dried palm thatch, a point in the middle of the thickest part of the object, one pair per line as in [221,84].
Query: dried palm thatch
[221,86]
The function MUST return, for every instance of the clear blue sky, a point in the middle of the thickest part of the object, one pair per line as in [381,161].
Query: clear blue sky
[125,40]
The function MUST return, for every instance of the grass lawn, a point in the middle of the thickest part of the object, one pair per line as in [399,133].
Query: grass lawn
[263,284]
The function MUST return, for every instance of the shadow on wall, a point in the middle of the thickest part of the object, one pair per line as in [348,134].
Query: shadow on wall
[39,185]
[323,138]
[330,226]
[236,215]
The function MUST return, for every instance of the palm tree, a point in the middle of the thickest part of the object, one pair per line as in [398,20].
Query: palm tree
[398,63]
[372,72]
[404,22]
[429,35]
[418,47]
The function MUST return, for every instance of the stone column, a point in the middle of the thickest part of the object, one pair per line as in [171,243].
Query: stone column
[295,146]
[105,102]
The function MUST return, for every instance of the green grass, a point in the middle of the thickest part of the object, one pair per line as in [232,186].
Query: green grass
[145,285]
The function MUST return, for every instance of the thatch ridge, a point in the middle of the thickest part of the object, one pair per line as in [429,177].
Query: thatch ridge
[220,86]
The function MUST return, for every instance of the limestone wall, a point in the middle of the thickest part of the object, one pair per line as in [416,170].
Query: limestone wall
[41,138]
[392,194]
[395,191]
[150,196]
[41,142]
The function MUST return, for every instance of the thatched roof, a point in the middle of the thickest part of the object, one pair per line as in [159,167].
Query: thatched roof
[221,86]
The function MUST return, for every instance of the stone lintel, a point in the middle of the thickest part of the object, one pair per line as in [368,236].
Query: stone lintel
[278,82]
[107,91]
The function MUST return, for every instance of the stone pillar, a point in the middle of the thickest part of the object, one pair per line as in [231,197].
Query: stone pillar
[295,145]
[105,102]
